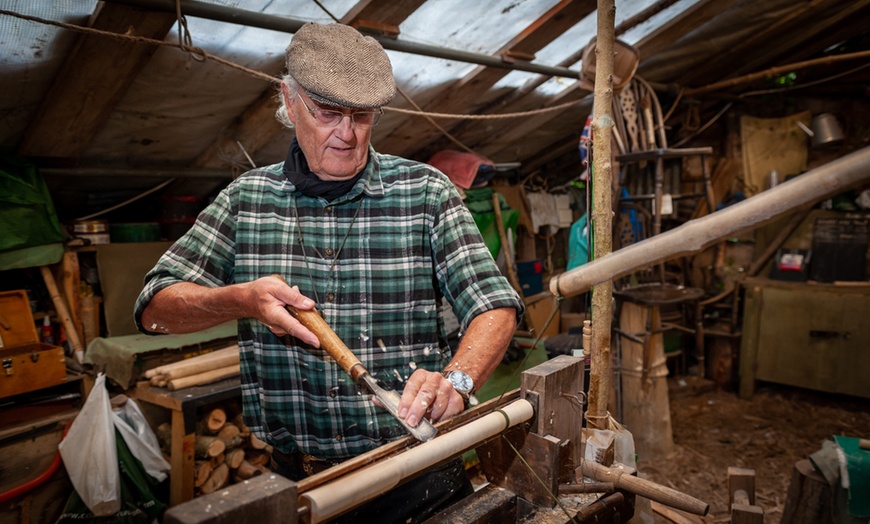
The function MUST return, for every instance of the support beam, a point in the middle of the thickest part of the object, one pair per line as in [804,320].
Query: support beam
[92,81]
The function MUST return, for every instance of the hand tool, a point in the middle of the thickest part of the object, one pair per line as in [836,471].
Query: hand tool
[333,345]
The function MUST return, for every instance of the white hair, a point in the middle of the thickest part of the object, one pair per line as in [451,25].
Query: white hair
[281,113]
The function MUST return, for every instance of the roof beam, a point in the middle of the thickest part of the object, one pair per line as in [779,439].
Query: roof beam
[91,82]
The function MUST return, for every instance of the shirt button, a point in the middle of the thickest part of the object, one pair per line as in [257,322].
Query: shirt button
[332,394]
[330,297]
[338,437]
[328,209]
[329,251]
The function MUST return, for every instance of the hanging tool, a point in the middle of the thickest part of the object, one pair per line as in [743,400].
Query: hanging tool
[337,349]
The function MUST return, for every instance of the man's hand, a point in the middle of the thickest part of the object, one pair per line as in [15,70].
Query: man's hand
[186,307]
[430,395]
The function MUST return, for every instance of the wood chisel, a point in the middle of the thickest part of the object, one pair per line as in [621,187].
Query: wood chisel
[345,358]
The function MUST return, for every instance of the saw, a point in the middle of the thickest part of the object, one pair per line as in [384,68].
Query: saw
[345,358]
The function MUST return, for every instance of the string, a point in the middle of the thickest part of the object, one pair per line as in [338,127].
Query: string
[337,253]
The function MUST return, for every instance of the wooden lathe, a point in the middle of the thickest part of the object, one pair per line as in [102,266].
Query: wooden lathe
[529,443]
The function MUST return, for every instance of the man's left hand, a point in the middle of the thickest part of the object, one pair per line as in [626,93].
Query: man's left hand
[428,394]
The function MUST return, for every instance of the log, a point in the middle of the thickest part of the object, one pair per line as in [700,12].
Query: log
[258,458]
[809,498]
[256,443]
[239,422]
[204,378]
[164,435]
[208,447]
[246,470]
[176,368]
[235,457]
[219,478]
[217,460]
[229,431]
[212,423]
[202,470]
[233,442]
[642,487]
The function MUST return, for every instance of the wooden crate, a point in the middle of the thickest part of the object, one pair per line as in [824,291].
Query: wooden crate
[25,363]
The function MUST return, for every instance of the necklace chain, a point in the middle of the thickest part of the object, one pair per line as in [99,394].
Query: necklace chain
[337,253]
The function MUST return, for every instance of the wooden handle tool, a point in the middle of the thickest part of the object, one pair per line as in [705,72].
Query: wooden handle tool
[345,358]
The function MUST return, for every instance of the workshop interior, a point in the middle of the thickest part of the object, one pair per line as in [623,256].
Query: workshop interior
[677,190]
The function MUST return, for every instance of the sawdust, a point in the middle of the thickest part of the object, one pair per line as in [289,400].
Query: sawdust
[768,433]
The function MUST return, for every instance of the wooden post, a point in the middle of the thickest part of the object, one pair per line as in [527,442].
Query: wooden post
[646,406]
[602,222]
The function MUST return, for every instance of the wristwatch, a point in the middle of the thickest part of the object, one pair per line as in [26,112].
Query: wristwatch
[463,384]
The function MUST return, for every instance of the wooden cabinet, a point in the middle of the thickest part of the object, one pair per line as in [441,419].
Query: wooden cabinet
[815,336]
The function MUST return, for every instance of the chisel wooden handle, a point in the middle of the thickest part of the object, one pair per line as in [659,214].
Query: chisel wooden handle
[329,341]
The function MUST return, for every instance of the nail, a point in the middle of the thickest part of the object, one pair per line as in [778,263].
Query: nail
[403,412]
[412,421]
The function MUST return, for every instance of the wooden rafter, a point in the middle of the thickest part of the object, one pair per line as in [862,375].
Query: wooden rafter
[92,81]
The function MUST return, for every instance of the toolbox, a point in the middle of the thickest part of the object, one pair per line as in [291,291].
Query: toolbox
[26,364]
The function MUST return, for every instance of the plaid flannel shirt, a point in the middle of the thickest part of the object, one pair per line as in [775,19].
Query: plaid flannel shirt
[412,243]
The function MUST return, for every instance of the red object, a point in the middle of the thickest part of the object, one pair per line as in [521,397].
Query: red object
[461,168]
[38,481]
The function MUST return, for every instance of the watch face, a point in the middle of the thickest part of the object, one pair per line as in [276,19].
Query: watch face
[461,381]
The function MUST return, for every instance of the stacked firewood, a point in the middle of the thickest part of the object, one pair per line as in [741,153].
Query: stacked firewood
[196,371]
[225,451]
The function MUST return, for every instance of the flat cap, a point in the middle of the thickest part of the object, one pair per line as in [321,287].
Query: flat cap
[336,65]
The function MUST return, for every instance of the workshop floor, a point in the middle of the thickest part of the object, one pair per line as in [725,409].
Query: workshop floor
[769,433]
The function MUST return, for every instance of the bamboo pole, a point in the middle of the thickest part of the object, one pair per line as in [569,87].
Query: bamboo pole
[602,222]
[813,186]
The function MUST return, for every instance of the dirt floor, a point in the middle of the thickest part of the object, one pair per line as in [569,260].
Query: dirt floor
[769,433]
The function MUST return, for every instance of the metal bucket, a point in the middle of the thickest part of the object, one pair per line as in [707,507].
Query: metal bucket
[826,130]
[96,231]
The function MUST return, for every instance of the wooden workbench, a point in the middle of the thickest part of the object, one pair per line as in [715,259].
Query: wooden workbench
[183,405]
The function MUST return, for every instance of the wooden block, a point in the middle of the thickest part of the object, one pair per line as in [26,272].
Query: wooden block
[741,480]
[558,382]
[266,498]
[504,468]
[746,514]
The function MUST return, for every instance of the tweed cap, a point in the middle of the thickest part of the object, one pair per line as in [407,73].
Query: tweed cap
[336,65]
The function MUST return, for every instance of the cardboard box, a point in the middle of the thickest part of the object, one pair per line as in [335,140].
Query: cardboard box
[26,364]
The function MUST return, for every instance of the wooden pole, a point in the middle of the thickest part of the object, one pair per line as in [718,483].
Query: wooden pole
[63,313]
[602,222]
[813,186]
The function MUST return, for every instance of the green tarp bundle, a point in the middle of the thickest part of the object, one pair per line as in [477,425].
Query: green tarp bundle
[30,232]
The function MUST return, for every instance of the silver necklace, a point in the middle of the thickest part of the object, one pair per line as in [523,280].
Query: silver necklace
[337,252]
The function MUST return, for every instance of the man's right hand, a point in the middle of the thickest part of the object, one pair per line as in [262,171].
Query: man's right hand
[186,307]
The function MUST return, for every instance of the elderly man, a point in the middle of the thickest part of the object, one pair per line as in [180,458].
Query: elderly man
[373,242]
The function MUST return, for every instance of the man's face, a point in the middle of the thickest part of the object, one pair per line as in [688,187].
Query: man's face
[333,153]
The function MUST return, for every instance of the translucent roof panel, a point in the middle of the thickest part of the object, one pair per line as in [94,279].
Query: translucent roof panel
[576,38]
[477,30]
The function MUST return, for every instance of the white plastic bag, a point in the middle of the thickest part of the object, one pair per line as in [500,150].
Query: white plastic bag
[140,438]
[90,456]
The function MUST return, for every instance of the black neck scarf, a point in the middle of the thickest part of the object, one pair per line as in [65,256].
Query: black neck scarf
[296,170]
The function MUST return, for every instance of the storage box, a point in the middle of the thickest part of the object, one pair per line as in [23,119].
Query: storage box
[27,364]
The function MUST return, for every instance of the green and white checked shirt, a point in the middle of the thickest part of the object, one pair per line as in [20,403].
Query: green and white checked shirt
[412,242]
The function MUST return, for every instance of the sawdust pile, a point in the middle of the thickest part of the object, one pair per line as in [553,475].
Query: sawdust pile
[769,433]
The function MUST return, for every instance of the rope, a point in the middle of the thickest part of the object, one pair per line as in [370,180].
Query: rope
[185,44]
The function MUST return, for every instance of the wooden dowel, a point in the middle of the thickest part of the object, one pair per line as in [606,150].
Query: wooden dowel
[204,378]
[179,369]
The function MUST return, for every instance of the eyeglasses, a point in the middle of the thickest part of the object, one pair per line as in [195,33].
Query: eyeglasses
[329,118]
